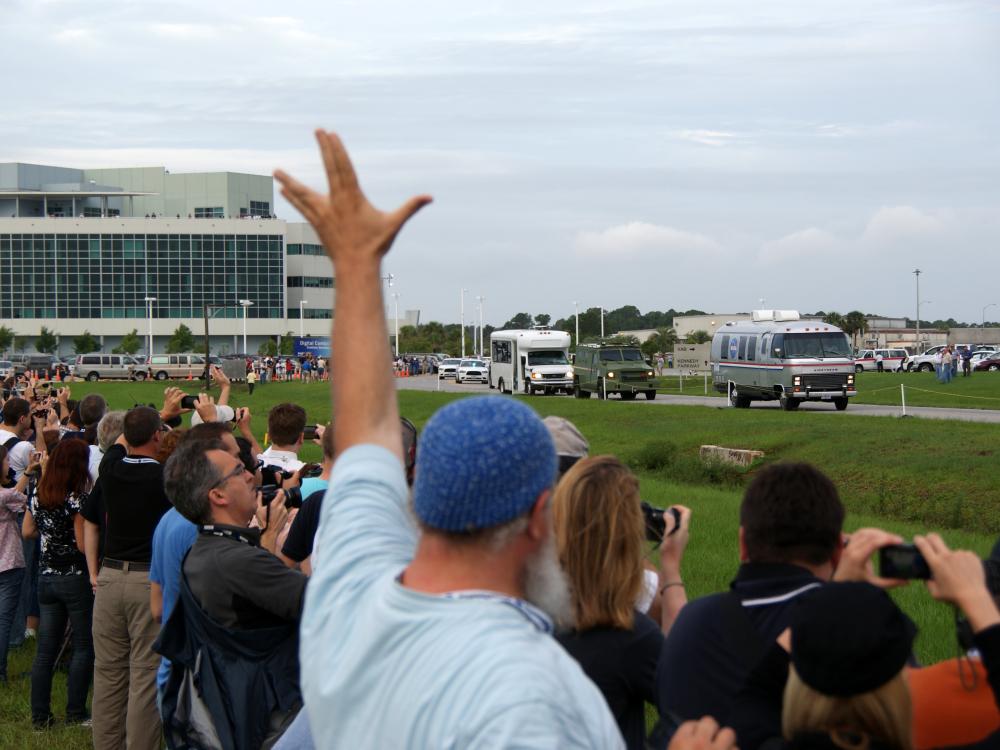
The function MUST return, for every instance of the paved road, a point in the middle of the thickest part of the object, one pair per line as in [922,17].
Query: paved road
[431,383]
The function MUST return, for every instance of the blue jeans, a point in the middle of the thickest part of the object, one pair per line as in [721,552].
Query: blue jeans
[28,605]
[10,595]
[63,598]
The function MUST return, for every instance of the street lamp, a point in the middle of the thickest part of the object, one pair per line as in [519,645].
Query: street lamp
[245,303]
[395,316]
[462,320]
[916,273]
[302,316]
[602,322]
[987,307]
[149,308]
[480,299]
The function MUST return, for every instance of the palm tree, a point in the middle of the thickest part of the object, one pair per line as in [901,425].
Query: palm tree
[855,323]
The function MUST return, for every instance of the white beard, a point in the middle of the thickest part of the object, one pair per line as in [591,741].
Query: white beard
[547,587]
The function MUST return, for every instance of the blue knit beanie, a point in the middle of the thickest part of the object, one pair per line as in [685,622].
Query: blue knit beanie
[482,462]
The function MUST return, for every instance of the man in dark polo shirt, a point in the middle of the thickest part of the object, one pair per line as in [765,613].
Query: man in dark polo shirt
[131,486]
[236,599]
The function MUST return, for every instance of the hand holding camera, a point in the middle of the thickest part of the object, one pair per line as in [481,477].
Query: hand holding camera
[856,559]
[675,540]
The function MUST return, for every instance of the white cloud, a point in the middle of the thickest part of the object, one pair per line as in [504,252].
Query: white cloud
[805,245]
[641,238]
[73,36]
[709,137]
[184,31]
[895,224]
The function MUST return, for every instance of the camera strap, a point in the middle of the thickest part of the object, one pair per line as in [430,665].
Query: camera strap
[213,530]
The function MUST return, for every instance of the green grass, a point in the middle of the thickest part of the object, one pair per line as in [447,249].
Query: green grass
[980,391]
[907,476]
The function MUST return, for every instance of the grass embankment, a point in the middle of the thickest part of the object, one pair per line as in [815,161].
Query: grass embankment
[908,476]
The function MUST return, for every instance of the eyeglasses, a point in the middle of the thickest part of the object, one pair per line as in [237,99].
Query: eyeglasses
[236,472]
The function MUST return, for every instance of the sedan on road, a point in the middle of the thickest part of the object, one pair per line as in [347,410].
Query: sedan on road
[472,370]
[448,367]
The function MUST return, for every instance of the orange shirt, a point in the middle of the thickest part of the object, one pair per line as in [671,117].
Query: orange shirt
[945,713]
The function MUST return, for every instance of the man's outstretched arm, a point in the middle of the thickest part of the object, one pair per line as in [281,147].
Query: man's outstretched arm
[356,235]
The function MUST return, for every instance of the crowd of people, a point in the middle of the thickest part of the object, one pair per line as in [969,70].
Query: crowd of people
[486,583]
[948,359]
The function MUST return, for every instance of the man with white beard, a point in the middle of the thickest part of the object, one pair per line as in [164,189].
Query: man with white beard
[434,633]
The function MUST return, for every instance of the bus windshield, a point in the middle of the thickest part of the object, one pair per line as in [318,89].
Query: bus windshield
[547,357]
[817,345]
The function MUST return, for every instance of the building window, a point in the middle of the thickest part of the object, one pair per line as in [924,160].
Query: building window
[210,213]
[311,313]
[260,208]
[297,249]
[310,282]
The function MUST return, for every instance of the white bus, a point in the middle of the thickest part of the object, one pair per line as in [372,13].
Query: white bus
[532,361]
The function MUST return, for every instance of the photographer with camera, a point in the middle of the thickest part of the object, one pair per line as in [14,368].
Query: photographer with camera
[601,531]
[234,626]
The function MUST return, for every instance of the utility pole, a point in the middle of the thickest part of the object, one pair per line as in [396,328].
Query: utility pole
[462,320]
[917,273]
[576,313]
[602,322]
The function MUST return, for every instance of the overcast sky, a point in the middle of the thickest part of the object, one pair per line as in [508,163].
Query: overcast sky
[686,154]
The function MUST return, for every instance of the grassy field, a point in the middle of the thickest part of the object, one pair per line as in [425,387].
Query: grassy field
[908,476]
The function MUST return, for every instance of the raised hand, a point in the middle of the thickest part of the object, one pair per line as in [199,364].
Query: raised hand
[349,226]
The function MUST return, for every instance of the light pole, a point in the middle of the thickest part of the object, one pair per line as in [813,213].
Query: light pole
[149,307]
[395,316]
[576,313]
[916,273]
[480,299]
[602,322]
[987,307]
[245,303]
[462,320]
[302,316]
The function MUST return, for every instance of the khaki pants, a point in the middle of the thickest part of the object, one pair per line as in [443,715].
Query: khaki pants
[124,705]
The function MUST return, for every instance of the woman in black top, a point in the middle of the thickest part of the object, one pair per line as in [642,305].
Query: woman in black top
[600,531]
[63,585]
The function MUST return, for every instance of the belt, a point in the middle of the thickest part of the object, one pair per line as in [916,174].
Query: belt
[125,565]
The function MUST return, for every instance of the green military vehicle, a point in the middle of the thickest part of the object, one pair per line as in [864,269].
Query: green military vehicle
[612,368]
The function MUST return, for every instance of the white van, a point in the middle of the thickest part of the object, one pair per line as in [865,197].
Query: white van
[94,367]
[531,361]
[893,360]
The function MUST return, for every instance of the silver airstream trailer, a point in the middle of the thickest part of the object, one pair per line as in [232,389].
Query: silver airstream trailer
[777,356]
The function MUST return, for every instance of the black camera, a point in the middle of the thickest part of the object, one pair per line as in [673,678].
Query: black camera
[902,561]
[309,432]
[656,521]
[273,474]
[293,495]
[189,402]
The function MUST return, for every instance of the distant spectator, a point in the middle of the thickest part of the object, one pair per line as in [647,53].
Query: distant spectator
[285,423]
[12,562]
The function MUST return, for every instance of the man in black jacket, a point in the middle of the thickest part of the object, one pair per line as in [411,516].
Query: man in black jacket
[789,543]
[239,605]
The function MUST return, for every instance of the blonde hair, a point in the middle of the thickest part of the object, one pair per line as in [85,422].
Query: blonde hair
[884,714]
[599,532]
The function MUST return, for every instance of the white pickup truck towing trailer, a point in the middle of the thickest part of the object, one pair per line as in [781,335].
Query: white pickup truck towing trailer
[530,361]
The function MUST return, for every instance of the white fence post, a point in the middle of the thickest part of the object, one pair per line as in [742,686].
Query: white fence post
[902,393]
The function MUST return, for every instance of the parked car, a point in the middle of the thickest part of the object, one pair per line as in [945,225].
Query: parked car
[448,367]
[982,354]
[44,362]
[107,366]
[991,363]
[163,366]
[472,369]
[6,368]
[893,360]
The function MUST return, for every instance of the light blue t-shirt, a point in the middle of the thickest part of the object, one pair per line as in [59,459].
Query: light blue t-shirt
[312,484]
[172,539]
[385,666]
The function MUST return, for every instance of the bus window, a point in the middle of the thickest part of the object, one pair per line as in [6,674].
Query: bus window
[751,347]
[763,344]
[778,345]
[743,348]
[724,353]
